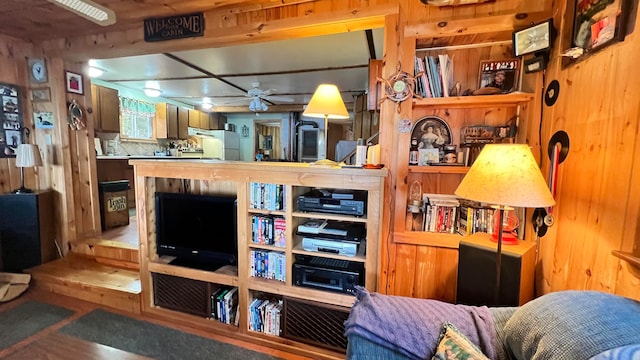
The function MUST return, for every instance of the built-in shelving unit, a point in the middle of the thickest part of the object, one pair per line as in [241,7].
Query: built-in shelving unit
[458,112]
[159,277]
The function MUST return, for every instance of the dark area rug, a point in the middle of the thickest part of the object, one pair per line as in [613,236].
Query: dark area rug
[27,319]
[153,340]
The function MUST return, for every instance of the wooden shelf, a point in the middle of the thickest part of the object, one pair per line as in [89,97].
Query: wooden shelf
[281,213]
[632,259]
[511,99]
[439,169]
[266,247]
[280,288]
[427,238]
[226,275]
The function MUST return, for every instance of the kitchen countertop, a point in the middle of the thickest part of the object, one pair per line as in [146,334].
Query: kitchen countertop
[128,157]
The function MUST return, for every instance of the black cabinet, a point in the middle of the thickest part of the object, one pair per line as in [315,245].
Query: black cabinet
[26,230]
[477,272]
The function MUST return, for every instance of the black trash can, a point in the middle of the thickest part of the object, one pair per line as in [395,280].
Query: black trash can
[114,209]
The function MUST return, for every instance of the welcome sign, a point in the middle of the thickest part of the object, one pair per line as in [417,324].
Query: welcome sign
[173,27]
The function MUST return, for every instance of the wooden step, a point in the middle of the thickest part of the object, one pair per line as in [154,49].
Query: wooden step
[87,279]
[108,252]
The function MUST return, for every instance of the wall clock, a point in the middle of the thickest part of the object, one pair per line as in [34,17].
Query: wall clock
[38,71]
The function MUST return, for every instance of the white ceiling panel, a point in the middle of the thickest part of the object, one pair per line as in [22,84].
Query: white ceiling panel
[297,54]
[149,67]
[293,68]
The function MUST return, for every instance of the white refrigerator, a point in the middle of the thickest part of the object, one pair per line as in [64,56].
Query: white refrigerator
[220,144]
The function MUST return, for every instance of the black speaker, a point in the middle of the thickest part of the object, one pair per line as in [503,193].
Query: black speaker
[315,323]
[477,274]
[185,295]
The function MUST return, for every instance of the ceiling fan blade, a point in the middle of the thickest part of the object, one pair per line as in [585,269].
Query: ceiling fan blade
[277,98]
[237,100]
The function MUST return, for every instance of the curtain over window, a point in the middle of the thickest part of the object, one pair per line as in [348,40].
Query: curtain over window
[136,118]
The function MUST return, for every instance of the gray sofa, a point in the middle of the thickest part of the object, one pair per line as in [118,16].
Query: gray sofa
[562,325]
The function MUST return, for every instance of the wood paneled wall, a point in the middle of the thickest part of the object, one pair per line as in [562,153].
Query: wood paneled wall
[598,207]
[13,70]
[598,201]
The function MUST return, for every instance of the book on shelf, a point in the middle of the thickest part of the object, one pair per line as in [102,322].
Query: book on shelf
[441,213]
[268,230]
[264,316]
[266,196]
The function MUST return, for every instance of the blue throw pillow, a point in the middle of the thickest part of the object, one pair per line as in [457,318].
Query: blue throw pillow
[572,325]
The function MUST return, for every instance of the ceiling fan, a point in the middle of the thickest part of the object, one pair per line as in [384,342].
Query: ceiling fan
[257,97]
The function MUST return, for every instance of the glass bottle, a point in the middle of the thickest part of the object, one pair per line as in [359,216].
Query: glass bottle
[413,152]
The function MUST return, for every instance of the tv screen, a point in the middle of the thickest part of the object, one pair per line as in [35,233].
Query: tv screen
[199,230]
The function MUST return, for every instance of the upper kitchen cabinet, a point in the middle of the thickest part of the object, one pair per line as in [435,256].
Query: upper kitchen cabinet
[106,108]
[217,121]
[194,119]
[183,123]
[171,121]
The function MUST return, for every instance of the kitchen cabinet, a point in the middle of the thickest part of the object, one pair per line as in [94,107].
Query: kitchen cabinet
[171,121]
[106,109]
[216,121]
[194,119]
[183,123]
[166,121]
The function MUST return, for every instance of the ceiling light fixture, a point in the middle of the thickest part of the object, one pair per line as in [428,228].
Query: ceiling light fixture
[257,105]
[207,105]
[88,10]
[150,92]
[95,72]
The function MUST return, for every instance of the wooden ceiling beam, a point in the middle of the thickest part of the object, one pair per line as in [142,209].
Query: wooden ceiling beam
[272,108]
[473,25]
[131,41]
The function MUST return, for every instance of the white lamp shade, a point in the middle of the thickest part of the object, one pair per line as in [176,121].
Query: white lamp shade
[326,102]
[506,175]
[28,155]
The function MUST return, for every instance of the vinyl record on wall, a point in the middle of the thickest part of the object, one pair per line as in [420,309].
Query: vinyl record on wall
[552,93]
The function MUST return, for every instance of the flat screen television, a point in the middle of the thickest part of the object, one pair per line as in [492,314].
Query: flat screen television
[199,230]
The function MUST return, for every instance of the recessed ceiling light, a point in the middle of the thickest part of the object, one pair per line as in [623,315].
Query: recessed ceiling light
[88,10]
[95,72]
[152,92]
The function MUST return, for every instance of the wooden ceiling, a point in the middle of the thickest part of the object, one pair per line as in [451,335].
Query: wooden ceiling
[37,20]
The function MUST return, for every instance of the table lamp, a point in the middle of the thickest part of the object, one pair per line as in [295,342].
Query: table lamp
[326,103]
[505,175]
[27,155]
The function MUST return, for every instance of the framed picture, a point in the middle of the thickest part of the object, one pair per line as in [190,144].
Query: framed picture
[534,39]
[43,120]
[597,24]
[74,82]
[40,94]
[501,75]
[11,123]
[431,132]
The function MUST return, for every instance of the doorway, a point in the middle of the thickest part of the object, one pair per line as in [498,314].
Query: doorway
[268,140]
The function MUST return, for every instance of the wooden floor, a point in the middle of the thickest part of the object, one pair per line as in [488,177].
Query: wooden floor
[50,345]
[127,234]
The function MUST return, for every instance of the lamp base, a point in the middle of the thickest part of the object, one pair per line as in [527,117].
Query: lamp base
[22,190]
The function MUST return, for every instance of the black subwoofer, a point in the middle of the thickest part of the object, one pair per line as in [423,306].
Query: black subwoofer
[477,274]
[315,323]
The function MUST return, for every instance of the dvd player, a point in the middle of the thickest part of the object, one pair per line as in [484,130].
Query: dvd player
[339,247]
[352,203]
